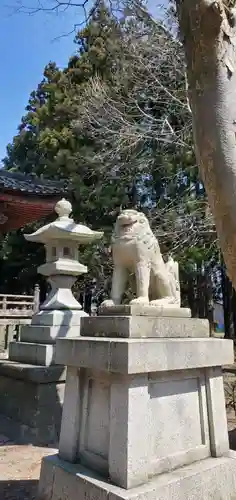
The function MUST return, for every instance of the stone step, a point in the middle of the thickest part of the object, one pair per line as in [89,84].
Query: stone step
[144,327]
[65,317]
[130,356]
[205,480]
[35,374]
[32,353]
[170,311]
[47,334]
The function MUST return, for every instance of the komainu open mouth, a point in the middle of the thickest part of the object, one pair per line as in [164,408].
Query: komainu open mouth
[126,226]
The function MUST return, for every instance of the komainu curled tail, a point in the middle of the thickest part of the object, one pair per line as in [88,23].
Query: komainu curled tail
[173,269]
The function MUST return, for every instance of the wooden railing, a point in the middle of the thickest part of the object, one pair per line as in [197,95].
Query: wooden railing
[19,306]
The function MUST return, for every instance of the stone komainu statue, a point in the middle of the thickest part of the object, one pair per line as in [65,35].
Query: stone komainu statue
[136,250]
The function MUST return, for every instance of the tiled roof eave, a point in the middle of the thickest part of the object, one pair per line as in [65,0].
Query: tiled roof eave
[30,186]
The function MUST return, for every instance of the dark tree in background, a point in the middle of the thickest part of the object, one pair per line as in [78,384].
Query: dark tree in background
[114,122]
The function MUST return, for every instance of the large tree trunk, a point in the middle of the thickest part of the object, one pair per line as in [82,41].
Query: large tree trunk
[209,37]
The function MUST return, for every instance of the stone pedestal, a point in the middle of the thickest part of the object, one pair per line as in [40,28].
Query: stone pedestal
[144,415]
[31,399]
[37,342]
[31,385]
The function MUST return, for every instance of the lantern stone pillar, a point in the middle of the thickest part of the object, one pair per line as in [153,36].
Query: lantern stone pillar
[31,384]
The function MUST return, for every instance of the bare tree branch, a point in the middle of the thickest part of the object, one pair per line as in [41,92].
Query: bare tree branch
[144,109]
[140,114]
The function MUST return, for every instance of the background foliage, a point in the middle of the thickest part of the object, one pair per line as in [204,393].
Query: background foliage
[116,124]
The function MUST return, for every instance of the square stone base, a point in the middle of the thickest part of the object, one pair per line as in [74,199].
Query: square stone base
[209,479]
[32,353]
[41,334]
[67,317]
[170,311]
[143,327]
[31,399]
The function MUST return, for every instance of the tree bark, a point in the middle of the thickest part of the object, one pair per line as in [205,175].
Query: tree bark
[227,305]
[209,39]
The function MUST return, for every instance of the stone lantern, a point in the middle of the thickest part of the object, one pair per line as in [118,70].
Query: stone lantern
[61,239]
[35,383]
[35,397]
[60,314]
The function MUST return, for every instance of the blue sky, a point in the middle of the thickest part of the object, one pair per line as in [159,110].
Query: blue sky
[27,45]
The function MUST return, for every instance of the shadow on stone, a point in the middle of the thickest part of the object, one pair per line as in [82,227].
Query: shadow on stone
[232,439]
[19,490]
[31,399]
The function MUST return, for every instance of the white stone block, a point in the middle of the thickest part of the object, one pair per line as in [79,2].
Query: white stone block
[35,354]
[179,429]
[168,311]
[58,318]
[129,445]
[129,356]
[47,334]
[103,415]
[216,412]
[93,448]
[144,327]
[70,417]
[210,479]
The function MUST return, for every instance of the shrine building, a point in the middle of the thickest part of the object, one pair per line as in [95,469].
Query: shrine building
[25,199]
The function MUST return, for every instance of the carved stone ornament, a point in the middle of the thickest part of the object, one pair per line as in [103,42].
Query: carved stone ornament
[135,249]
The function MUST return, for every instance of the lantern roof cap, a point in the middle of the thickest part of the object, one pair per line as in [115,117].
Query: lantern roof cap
[64,228]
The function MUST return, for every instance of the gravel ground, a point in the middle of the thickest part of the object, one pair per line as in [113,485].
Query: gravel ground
[20,469]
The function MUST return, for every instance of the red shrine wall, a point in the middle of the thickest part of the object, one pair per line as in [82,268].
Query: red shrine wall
[16,210]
